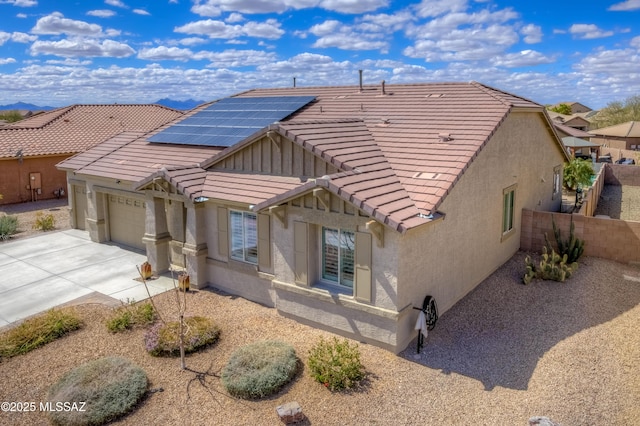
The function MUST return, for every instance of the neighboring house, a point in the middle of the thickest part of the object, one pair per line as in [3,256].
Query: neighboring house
[564,131]
[577,121]
[576,107]
[342,207]
[582,148]
[620,136]
[31,148]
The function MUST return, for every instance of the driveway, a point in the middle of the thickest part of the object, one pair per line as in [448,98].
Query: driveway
[57,268]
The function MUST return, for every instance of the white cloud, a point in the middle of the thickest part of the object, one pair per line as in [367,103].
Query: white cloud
[433,8]
[111,32]
[4,37]
[82,48]
[635,42]
[333,33]
[21,15]
[5,61]
[269,29]
[56,24]
[588,31]
[116,3]
[101,13]
[234,18]
[165,53]
[192,41]
[465,44]
[19,37]
[525,58]
[213,8]
[236,58]
[626,5]
[141,12]
[532,33]
[20,3]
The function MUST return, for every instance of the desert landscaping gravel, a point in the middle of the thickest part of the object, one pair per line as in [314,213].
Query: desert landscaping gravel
[506,352]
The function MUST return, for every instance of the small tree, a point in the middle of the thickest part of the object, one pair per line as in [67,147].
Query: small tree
[577,172]
[561,109]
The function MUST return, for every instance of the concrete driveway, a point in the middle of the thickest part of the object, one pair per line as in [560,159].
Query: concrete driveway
[57,268]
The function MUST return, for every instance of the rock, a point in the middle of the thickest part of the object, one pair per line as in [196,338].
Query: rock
[542,421]
[291,412]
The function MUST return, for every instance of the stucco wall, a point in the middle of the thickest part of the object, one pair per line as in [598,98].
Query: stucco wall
[14,178]
[450,257]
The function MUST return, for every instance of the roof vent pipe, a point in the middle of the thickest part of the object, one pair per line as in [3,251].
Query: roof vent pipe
[382,84]
[360,72]
[294,82]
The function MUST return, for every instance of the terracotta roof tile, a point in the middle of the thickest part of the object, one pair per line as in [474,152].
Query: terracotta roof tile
[76,128]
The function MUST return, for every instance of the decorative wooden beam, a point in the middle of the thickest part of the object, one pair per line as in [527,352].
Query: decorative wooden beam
[280,213]
[274,138]
[323,197]
[377,230]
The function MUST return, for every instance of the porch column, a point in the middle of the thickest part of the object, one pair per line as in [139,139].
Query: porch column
[195,246]
[96,213]
[156,236]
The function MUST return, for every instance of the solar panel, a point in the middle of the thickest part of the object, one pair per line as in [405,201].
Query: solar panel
[230,120]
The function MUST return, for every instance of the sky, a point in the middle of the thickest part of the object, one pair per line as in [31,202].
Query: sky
[63,52]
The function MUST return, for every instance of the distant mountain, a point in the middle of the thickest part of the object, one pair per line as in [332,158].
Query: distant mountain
[21,106]
[183,105]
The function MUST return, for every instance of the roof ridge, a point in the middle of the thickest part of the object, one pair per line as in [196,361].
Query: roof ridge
[492,91]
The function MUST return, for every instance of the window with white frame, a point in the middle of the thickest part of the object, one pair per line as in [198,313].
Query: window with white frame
[244,236]
[338,250]
[557,181]
[508,206]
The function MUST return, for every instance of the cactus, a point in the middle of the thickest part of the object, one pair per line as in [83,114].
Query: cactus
[551,267]
[572,247]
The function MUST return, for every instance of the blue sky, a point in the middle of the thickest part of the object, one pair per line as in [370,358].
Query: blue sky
[136,51]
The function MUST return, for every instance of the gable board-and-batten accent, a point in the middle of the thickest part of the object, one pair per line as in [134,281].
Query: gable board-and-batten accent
[377,229]
[280,213]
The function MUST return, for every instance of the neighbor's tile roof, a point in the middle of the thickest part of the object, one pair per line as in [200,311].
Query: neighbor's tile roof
[630,129]
[76,128]
[571,131]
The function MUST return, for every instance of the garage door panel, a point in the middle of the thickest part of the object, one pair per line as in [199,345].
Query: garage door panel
[127,220]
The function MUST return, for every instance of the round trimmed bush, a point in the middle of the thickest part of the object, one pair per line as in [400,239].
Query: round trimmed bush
[164,340]
[110,388]
[260,369]
[336,364]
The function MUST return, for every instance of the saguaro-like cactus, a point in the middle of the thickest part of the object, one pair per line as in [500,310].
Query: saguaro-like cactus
[573,247]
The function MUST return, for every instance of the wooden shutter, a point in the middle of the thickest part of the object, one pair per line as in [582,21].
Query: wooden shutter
[300,249]
[223,232]
[362,286]
[264,241]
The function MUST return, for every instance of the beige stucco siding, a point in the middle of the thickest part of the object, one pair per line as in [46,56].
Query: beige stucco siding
[448,258]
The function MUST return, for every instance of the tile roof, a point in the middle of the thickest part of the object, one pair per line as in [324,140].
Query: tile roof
[630,129]
[571,131]
[399,150]
[76,128]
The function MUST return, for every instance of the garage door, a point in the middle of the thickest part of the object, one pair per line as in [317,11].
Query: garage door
[80,206]
[126,221]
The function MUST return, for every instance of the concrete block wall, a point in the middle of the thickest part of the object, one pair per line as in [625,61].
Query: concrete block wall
[612,239]
[620,174]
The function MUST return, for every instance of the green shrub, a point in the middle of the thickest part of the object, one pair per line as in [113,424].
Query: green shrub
[111,387]
[8,226]
[260,369]
[38,331]
[130,315]
[44,222]
[164,340]
[336,364]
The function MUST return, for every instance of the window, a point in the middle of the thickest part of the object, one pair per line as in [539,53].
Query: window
[557,182]
[508,201]
[244,236]
[338,250]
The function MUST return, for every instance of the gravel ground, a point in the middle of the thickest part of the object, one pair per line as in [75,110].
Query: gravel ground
[504,353]
[26,213]
[619,202]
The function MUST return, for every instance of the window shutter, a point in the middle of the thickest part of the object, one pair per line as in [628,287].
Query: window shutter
[362,287]
[223,232]
[264,242]
[300,249]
